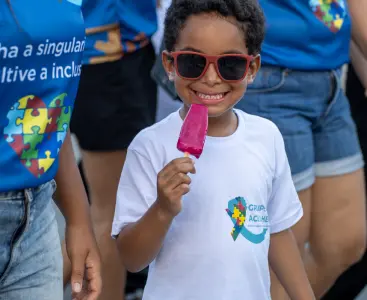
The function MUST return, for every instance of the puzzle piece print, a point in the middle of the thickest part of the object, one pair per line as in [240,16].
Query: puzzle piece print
[24,101]
[58,101]
[236,213]
[338,23]
[330,12]
[46,163]
[17,144]
[33,167]
[12,128]
[241,207]
[49,143]
[64,118]
[61,136]
[34,118]
[53,115]
[31,102]
[36,131]
[32,140]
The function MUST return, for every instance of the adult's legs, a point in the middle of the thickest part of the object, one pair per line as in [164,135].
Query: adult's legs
[338,231]
[353,281]
[338,228]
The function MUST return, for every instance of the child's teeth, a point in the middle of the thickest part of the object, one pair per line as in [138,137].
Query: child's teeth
[210,97]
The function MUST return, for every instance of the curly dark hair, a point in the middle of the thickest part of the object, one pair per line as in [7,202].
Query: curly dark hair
[248,14]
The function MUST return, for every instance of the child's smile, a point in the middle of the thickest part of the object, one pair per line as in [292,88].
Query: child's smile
[210,63]
[208,97]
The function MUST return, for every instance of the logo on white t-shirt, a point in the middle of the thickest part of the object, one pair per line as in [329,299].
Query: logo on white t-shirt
[245,216]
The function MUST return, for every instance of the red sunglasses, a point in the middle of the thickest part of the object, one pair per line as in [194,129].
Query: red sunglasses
[193,65]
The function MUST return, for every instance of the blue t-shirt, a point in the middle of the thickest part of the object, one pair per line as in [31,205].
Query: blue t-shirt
[103,41]
[138,20]
[306,35]
[41,45]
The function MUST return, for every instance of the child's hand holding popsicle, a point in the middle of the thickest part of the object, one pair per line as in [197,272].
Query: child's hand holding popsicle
[173,183]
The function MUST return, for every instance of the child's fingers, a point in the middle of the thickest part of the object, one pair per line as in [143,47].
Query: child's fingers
[176,180]
[172,169]
[181,190]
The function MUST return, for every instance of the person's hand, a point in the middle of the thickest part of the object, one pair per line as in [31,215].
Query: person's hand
[85,261]
[173,182]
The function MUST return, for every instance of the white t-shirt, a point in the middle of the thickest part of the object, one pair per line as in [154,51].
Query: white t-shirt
[243,185]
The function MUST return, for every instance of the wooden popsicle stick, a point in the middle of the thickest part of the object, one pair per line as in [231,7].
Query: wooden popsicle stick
[186,154]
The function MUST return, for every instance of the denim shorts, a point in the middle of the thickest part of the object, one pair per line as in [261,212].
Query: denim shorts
[313,115]
[30,250]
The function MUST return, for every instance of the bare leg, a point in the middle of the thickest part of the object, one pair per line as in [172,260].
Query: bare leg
[338,228]
[102,171]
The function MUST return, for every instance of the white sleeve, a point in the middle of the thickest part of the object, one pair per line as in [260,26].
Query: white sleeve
[284,207]
[136,191]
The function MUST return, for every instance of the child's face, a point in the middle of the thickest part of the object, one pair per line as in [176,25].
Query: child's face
[212,35]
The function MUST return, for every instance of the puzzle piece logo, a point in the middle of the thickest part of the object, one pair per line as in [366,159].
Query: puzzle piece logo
[36,131]
[330,12]
[238,212]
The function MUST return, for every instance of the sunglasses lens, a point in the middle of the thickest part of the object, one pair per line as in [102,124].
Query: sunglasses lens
[232,67]
[190,65]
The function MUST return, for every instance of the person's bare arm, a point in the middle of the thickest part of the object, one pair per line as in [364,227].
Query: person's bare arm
[359,62]
[81,246]
[71,196]
[140,242]
[358,9]
[286,262]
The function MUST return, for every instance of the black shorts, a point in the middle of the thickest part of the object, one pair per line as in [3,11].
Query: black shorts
[115,101]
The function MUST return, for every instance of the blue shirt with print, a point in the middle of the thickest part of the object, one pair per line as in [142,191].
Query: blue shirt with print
[41,46]
[306,34]
[103,34]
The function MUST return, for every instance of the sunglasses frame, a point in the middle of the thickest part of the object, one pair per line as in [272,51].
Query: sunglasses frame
[210,59]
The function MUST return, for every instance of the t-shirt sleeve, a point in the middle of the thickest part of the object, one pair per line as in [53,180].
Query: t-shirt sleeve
[284,207]
[136,191]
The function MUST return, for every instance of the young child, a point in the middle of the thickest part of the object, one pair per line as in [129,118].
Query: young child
[209,227]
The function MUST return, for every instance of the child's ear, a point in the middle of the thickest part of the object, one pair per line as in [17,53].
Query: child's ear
[253,69]
[168,64]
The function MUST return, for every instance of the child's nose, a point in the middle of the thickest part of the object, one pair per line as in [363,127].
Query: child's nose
[211,76]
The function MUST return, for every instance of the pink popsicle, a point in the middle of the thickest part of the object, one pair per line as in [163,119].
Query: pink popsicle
[193,131]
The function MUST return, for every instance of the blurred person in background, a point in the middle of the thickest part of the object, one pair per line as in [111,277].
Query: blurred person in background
[41,46]
[299,88]
[116,99]
[354,280]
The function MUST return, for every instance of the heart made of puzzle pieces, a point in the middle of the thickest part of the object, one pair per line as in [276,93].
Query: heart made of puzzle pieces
[36,131]
[329,12]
